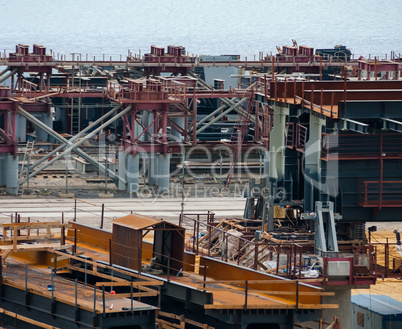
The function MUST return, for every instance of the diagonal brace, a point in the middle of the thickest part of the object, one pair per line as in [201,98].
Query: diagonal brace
[72,146]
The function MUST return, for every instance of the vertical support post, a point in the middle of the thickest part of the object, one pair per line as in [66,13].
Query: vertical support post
[55,263]
[164,125]
[198,235]
[76,299]
[381,169]
[386,258]
[238,252]
[297,294]
[286,91]
[168,269]
[322,96]
[106,173]
[320,68]
[159,297]
[209,239]
[194,230]
[94,313]
[365,192]
[131,296]
[52,287]
[28,173]
[255,256]
[63,235]
[227,247]
[75,242]
[110,252]
[102,215]
[86,274]
[66,159]
[300,261]
[194,141]
[344,94]
[26,284]
[277,259]
[205,277]
[103,300]
[75,209]
[15,235]
[312,98]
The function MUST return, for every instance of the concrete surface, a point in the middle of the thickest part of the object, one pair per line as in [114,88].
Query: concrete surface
[89,210]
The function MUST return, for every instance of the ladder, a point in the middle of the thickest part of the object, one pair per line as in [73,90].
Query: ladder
[238,134]
[28,150]
[75,117]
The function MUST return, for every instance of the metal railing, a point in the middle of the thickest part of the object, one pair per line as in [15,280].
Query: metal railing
[380,193]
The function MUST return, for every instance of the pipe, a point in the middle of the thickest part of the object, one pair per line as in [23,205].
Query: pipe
[210,115]
[74,138]
[234,106]
[5,70]
[8,75]
[73,146]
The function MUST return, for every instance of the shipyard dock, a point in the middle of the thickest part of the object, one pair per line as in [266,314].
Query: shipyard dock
[309,141]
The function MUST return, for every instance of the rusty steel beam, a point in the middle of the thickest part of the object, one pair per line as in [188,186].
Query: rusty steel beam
[74,146]
[74,138]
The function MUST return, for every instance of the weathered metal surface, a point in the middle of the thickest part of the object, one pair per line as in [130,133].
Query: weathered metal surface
[136,221]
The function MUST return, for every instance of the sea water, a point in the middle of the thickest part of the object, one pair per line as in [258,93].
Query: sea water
[207,27]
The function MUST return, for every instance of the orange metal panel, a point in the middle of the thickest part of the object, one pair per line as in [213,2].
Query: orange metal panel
[224,271]
[89,235]
[136,221]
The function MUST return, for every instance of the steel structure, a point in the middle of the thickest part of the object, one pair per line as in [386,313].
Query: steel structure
[340,126]
[90,288]
[159,114]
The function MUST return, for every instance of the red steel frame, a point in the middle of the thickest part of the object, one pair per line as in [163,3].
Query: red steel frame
[8,111]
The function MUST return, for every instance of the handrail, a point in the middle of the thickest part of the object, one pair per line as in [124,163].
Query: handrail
[380,193]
